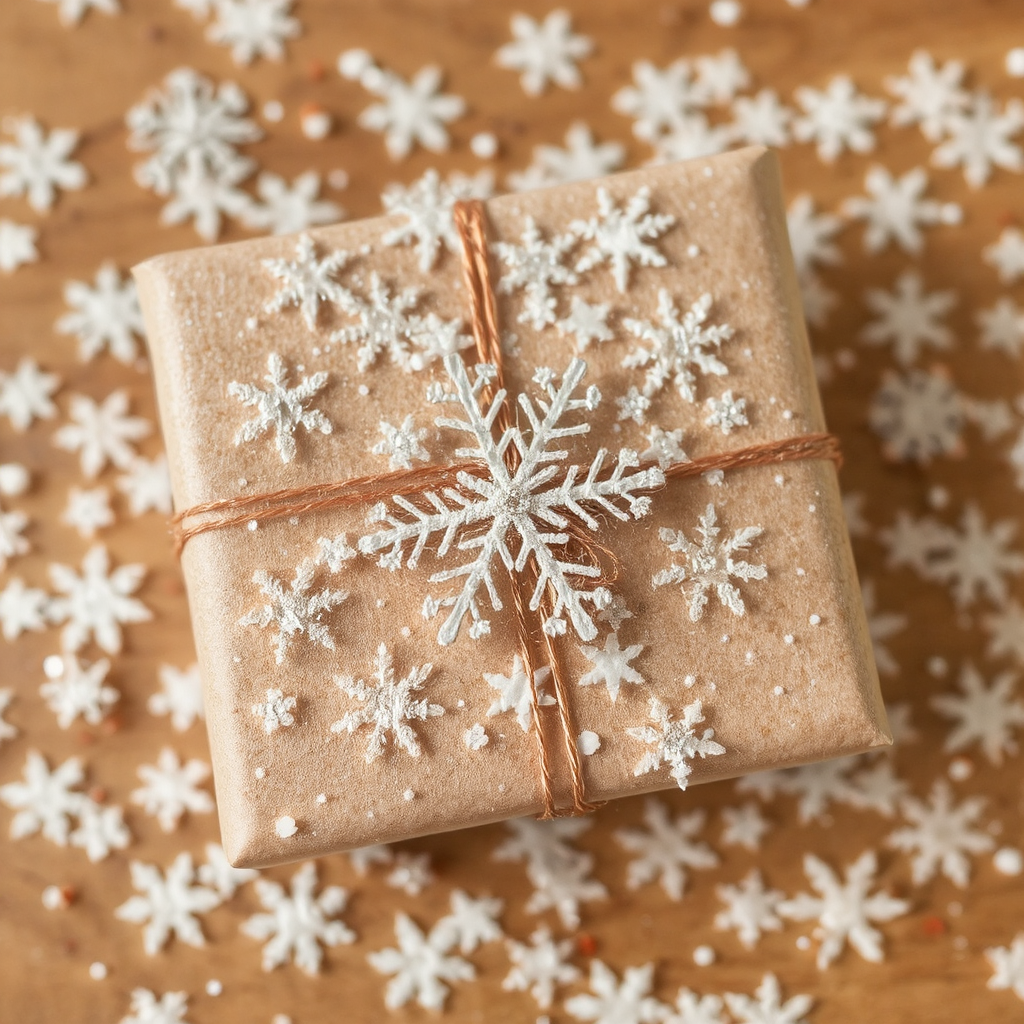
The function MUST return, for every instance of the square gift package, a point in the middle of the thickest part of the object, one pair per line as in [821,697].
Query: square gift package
[385,539]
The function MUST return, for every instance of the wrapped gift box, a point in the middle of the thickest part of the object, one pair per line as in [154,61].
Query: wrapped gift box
[662,309]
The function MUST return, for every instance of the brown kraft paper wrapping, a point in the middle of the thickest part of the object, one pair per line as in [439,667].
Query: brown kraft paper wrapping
[790,681]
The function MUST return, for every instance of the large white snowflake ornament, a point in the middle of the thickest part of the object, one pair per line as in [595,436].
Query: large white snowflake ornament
[280,408]
[710,565]
[35,164]
[298,921]
[523,501]
[675,741]
[622,237]
[388,705]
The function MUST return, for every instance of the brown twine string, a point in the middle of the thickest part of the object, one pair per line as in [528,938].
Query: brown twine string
[296,501]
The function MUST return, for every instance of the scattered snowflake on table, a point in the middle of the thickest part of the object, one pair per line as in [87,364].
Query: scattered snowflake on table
[22,609]
[815,785]
[78,691]
[88,510]
[622,237]
[306,280]
[95,604]
[744,826]
[7,730]
[280,408]
[721,76]
[180,696]
[696,137]
[811,235]
[410,873]
[539,966]
[666,848]
[659,101]
[471,921]
[148,1008]
[1007,254]
[761,120]
[586,322]
[104,316]
[535,265]
[750,908]
[253,28]
[12,543]
[218,874]
[929,94]
[35,164]
[284,209]
[1005,628]
[101,830]
[363,858]
[420,965]
[275,711]
[613,1002]
[1002,327]
[544,52]
[877,788]
[675,743]
[428,208]
[46,801]
[167,903]
[102,432]
[844,910]
[691,1008]
[982,714]
[295,610]
[918,415]
[837,118]
[523,502]
[881,626]
[146,483]
[515,692]
[17,245]
[387,705]
[676,345]
[71,12]
[581,158]
[979,138]
[25,394]
[909,318]
[710,565]
[895,210]
[191,122]
[297,922]
[766,1006]
[941,834]
[170,789]
[1008,964]
[409,113]
[611,665]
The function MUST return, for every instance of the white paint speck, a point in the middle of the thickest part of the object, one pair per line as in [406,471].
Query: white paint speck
[484,145]
[703,956]
[1015,62]
[53,666]
[260,773]
[55,898]
[815,620]
[273,111]
[588,742]
[97,971]
[1008,861]
[321,798]
[285,826]
[316,124]
[252,526]
[693,251]
[408,795]
[214,987]
[788,638]
[778,691]
[960,769]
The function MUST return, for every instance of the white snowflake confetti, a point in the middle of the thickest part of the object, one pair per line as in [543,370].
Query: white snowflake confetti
[17,245]
[298,609]
[744,826]
[538,967]
[101,830]
[761,120]
[167,903]
[918,416]
[96,603]
[1006,254]
[982,714]
[611,665]
[586,322]
[88,510]
[420,966]
[401,444]
[253,28]
[675,742]
[666,848]
[78,691]
[980,138]
[148,1008]
[535,265]
[522,502]
[284,209]
[622,237]
[838,118]
[766,1006]
[334,552]
[25,394]
[45,801]
[170,789]
[102,432]
[387,705]
[613,1002]
[1002,327]
[411,873]
[470,921]
[727,413]
[544,52]
[929,94]
[276,711]
[206,197]
[298,921]
[909,318]
[844,910]
[811,235]
[180,696]
[22,609]
[659,101]
[280,408]
[515,693]
[147,485]
[665,447]
[104,316]
[1008,964]
[35,164]
[1005,628]
[750,908]
[218,874]
[307,280]
[581,158]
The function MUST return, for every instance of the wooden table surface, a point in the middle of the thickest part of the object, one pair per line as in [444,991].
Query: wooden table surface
[87,77]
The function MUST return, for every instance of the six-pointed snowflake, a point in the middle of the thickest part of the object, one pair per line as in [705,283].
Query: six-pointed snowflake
[253,28]
[659,101]
[307,280]
[46,800]
[148,1008]
[35,164]
[909,318]
[766,1005]
[25,394]
[580,159]
[471,921]
[101,829]
[535,265]
[929,94]
[982,714]
[17,245]
[1006,254]
[170,789]
[106,315]
[675,742]
[180,696]
[613,1002]
[298,921]
[1008,964]
[78,690]
[611,665]
[980,138]
[276,711]
[539,966]
[838,118]
[285,209]
[750,908]
[102,432]
[544,52]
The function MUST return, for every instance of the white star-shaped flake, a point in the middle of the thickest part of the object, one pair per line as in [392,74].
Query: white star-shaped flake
[35,164]
[544,52]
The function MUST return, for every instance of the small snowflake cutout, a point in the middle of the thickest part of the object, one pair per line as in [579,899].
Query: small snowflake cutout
[401,444]
[544,52]
[170,788]
[307,280]
[276,711]
[675,741]
[35,164]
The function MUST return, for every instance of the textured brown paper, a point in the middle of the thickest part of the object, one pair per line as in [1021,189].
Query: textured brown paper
[777,688]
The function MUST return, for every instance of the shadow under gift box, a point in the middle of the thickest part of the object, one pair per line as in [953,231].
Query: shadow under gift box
[790,681]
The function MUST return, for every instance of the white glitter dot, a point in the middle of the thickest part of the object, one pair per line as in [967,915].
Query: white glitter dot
[815,620]
[354,63]
[242,482]
[725,638]
[285,826]
[812,508]
[588,742]
[251,323]
[316,124]
[1008,861]
[338,178]
[363,390]
[803,942]
[688,681]
[960,768]
[97,971]
[703,956]
[273,111]
[778,691]
[780,479]
[484,145]
[748,657]
[214,987]
[53,666]
[693,251]
[252,526]
[787,414]
[1015,62]
[408,795]
[321,798]
[501,787]
[788,638]
[260,773]
[54,898]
